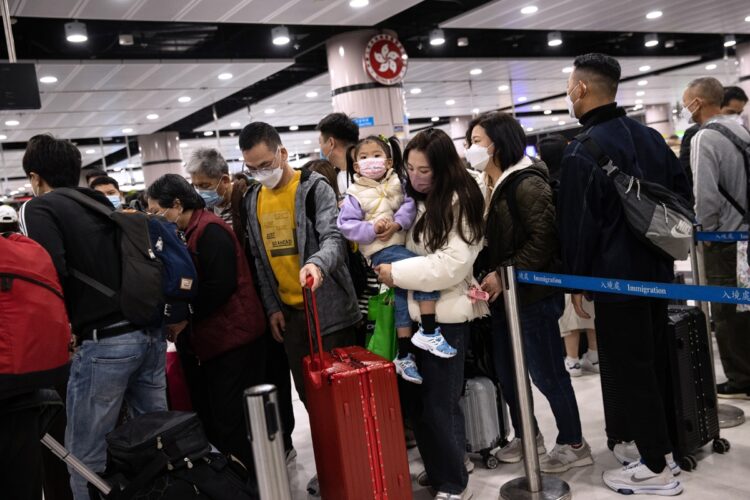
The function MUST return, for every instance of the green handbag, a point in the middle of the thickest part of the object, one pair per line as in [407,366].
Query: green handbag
[382,341]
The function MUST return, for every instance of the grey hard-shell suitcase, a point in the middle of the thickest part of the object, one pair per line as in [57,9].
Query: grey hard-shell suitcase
[486,417]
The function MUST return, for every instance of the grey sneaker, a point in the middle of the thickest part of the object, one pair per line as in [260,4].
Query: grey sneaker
[513,451]
[464,495]
[564,457]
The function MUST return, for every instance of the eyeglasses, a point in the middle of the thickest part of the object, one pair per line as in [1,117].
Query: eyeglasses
[273,166]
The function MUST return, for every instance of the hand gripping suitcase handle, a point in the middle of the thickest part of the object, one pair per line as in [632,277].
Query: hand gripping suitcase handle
[313,322]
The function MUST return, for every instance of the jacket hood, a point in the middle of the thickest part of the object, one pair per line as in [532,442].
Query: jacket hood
[525,163]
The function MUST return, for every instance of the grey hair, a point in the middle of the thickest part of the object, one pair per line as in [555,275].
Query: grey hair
[708,88]
[207,161]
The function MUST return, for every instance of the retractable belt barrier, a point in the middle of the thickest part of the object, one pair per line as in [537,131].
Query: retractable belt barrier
[721,236]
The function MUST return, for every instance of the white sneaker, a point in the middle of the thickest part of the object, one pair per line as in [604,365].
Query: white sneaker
[564,457]
[291,455]
[468,464]
[513,451]
[627,453]
[637,479]
[423,480]
[433,343]
[465,495]
[589,363]
[573,366]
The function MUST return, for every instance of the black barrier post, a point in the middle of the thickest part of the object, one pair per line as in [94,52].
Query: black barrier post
[533,485]
[729,415]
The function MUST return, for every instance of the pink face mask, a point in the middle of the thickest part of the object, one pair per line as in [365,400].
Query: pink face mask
[422,183]
[372,168]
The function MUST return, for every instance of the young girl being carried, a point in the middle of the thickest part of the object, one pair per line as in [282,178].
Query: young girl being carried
[376,214]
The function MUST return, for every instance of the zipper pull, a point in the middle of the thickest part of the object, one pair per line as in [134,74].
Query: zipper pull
[159,444]
[151,254]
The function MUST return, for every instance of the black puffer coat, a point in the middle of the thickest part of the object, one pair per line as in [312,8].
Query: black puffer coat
[530,243]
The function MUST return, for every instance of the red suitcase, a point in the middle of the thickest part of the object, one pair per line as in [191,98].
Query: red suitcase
[355,420]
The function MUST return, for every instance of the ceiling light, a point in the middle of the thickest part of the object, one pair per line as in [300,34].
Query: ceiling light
[269,111]
[644,68]
[294,127]
[235,124]
[476,71]
[308,141]
[531,9]
[654,14]
[183,144]
[462,41]
[561,122]
[730,41]
[522,99]
[75,32]
[529,129]
[3,137]
[547,111]
[642,83]
[48,79]
[640,93]
[709,67]
[12,123]
[90,151]
[225,76]
[475,111]
[312,94]
[280,35]
[536,107]
[437,37]
[208,133]
[152,116]
[450,102]
[639,101]
[747,19]
[435,119]
[651,40]
[415,91]
[567,69]
[184,99]
[554,39]
[127,131]
[503,88]
[358,4]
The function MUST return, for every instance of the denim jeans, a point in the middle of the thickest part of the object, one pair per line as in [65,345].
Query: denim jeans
[543,348]
[389,255]
[126,367]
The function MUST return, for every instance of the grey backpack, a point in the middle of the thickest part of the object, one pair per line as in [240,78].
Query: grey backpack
[657,216]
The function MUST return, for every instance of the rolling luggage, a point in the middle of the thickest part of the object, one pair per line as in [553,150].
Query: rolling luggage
[486,417]
[355,420]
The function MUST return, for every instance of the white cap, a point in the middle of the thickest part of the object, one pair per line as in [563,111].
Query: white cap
[8,214]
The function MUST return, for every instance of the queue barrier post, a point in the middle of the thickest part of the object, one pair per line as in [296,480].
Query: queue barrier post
[533,485]
[729,415]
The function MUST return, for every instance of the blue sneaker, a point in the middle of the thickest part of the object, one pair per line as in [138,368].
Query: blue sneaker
[407,368]
[433,343]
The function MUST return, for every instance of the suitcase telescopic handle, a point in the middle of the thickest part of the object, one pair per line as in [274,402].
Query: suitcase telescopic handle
[313,322]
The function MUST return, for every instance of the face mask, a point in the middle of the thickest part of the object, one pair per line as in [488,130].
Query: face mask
[372,168]
[570,104]
[268,177]
[163,213]
[115,201]
[687,114]
[478,157]
[324,156]
[210,196]
[421,183]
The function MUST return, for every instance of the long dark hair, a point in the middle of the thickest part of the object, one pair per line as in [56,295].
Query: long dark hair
[449,178]
[390,146]
[324,168]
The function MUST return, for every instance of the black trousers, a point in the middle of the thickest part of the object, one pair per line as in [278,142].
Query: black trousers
[632,337]
[21,470]
[277,373]
[56,476]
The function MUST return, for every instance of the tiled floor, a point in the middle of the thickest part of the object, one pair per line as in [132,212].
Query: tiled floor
[724,477]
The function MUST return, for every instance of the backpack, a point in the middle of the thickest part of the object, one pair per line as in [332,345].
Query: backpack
[156,265]
[513,203]
[657,216]
[34,327]
[744,149]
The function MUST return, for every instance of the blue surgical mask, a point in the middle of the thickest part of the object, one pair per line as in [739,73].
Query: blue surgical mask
[115,201]
[210,196]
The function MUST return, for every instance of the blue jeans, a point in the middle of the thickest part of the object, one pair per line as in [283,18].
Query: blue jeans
[543,349]
[389,255]
[126,367]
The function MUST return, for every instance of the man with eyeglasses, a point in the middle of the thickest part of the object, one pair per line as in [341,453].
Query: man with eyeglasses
[292,233]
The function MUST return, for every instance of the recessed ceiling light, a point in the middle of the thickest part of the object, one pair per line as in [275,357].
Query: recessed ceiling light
[3,137]
[450,102]
[642,83]
[476,71]
[554,118]
[152,116]
[12,123]
[536,107]
[311,94]
[294,127]
[225,76]
[269,111]
[308,141]
[554,39]
[531,9]
[547,111]
[654,14]
[529,129]
[280,35]
[561,122]
[75,32]
[747,19]
[567,69]
[644,68]
[127,131]
[358,4]
[651,40]
[437,37]
[522,99]
[709,67]
[503,88]
[208,133]
[639,101]
[48,79]
[235,124]
[475,111]
[184,99]
[640,93]
[730,41]
[90,151]
[183,144]
[435,119]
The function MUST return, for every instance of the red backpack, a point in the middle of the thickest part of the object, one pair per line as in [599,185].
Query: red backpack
[34,327]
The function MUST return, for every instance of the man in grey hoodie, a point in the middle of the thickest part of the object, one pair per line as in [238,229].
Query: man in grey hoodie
[720,186]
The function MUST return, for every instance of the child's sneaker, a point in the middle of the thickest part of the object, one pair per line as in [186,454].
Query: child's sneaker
[590,362]
[407,368]
[636,479]
[433,343]
[573,366]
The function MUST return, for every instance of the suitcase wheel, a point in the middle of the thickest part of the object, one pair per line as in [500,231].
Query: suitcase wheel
[491,462]
[688,463]
[721,446]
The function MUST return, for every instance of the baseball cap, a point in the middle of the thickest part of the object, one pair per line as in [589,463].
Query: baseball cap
[8,214]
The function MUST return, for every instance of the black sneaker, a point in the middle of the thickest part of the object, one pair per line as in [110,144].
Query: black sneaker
[727,390]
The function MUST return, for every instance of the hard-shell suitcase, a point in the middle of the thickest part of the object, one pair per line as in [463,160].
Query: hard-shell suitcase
[355,421]
[486,419]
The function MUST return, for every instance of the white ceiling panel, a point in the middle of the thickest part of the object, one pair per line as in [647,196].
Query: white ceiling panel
[316,12]
[681,16]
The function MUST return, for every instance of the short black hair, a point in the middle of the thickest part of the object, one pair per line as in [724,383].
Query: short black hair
[94,172]
[602,66]
[57,161]
[508,137]
[257,132]
[733,93]
[170,187]
[551,149]
[340,127]
[103,181]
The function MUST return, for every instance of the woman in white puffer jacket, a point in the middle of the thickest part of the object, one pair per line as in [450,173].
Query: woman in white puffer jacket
[447,237]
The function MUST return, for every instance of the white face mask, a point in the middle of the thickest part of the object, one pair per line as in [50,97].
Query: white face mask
[687,114]
[270,178]
[477,156]
[570,104]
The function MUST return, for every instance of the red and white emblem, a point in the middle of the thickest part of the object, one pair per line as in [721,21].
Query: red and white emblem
[385,59]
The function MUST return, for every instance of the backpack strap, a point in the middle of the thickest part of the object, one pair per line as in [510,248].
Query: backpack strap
[744,149]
